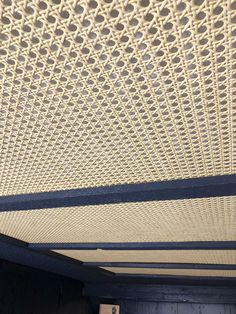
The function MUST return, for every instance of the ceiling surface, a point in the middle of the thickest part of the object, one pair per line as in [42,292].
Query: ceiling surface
[106,92]
[100,93]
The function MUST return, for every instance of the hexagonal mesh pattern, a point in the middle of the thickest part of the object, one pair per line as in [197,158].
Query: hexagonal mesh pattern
[105,92]
[209,219]
[162,256]
[178,272]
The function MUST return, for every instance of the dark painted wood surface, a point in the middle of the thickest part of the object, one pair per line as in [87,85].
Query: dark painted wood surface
[163,293]
[142,192]
[25,290]
[161,265]
[18,252]
[193,245]
[133,307]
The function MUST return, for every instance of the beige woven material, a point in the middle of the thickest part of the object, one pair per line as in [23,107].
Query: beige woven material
[209,219]
[201,257]
[177,272]
[101,92]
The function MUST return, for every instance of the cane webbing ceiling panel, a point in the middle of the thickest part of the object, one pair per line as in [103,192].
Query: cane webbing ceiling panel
[177,272]
[104,92]
[207,219]
[162,256]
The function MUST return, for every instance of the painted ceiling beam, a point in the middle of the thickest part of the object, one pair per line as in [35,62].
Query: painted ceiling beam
[195,245]
[18,252]
[163,293]
[162,265]
[142,192]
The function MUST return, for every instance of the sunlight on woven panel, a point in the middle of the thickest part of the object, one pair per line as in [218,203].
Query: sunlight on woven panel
[109,92]
[207,219]
[175,272]
[162,256]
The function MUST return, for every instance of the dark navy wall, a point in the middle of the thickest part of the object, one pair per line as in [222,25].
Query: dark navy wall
[135,307]
[25,290]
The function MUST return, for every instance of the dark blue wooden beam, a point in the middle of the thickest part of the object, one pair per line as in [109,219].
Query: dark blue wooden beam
[163,293]
[162,265]
[195,245]
[157,276]
[174,280]
[143,192]
[18,252]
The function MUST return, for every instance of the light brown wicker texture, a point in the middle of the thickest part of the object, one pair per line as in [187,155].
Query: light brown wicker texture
[208,219]
[177,272]
[101,92]
[195,256]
